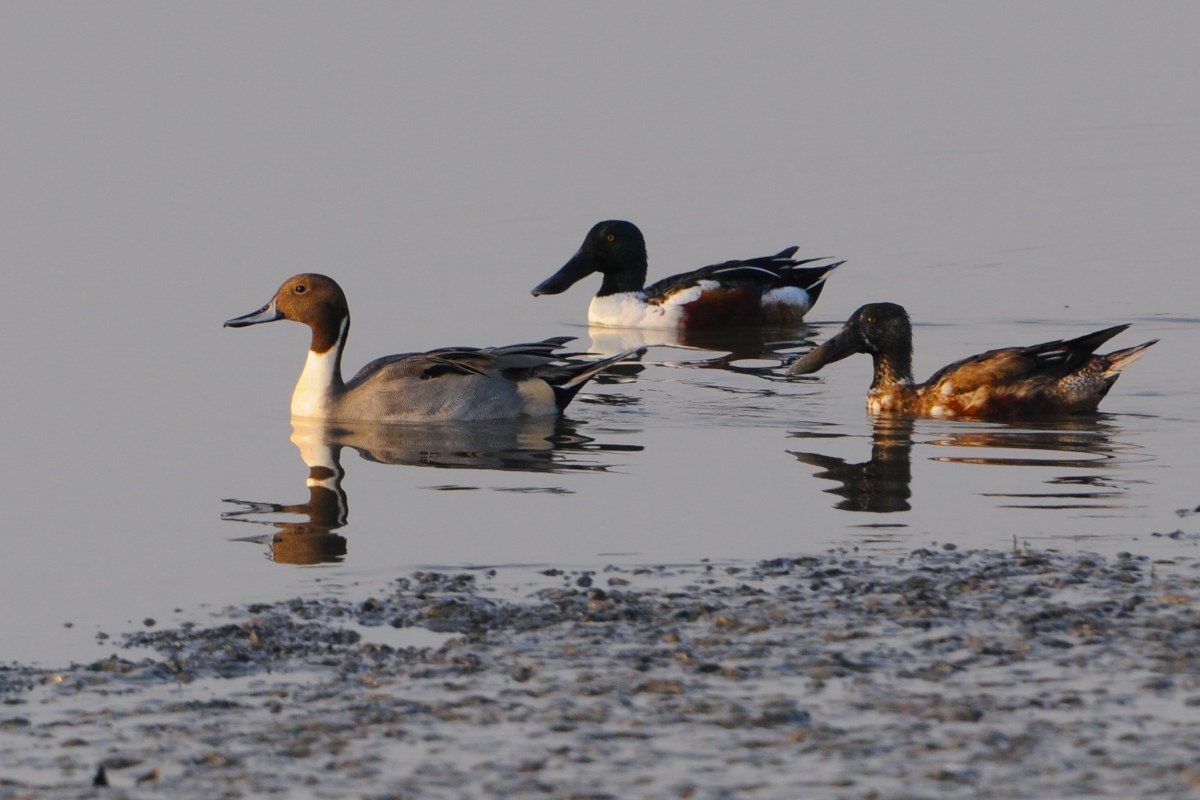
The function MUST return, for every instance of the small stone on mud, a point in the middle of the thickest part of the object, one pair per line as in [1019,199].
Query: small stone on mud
[659,686]
[961,775]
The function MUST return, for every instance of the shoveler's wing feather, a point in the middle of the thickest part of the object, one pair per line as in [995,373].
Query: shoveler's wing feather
[1010,364]
[993,368]
[765,272]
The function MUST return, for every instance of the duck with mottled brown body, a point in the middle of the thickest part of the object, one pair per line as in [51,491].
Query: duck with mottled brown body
[1059,377]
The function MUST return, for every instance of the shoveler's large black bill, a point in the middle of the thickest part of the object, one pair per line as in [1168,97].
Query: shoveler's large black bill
[844,343]
[268,313]
[579,267]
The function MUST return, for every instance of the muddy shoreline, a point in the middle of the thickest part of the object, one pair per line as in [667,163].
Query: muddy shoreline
[937,674]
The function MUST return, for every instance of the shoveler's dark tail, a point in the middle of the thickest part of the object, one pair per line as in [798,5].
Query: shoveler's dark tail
[1120,359]
[1068,355]
[1107,367]
[582,372]
[818,283]
[1090,341]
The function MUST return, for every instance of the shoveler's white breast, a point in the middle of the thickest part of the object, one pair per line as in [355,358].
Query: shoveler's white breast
[630,309]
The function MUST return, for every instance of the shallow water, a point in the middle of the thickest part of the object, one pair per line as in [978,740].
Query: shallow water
[1012,673]
[1000,173]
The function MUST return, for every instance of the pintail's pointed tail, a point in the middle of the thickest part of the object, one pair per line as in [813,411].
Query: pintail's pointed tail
[564,392]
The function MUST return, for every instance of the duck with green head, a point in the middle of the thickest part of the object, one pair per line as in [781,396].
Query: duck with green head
[767,291]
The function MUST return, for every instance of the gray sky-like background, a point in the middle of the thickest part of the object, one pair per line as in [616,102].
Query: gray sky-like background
[167,166]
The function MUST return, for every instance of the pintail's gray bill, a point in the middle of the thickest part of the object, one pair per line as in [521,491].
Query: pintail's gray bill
[268,313]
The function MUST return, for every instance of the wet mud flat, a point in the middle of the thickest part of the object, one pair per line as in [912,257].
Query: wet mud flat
[936,674]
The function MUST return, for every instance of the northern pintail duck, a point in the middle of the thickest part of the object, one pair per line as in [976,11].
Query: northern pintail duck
[771,290]
[450,384]
[1059,377]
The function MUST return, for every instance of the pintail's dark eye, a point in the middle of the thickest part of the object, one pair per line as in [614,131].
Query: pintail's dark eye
[301,288]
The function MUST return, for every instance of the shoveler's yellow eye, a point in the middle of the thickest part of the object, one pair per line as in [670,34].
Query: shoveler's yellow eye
[871,319]
[611,238]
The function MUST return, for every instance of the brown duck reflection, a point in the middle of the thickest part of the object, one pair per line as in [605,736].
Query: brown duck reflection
[880,484]
[532,445]
[1081,448]
[1070,444]
[310,540]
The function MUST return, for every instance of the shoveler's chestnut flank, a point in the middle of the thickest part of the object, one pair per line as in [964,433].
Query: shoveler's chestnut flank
[450,384]
[771,290]
[1059,377]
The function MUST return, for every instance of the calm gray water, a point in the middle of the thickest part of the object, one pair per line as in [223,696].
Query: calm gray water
[1011,174]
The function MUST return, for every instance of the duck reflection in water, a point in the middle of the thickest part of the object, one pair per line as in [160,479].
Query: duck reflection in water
[542,444]
[1081,450]
[1077,448]
[311,541]
[746,350]
[881,484]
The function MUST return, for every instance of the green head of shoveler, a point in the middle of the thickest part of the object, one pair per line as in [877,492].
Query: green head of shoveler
[614,248]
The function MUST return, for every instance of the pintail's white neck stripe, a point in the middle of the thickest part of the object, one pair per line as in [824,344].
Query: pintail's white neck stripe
[321,379]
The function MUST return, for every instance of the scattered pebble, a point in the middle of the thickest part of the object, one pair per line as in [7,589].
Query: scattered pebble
[946,673]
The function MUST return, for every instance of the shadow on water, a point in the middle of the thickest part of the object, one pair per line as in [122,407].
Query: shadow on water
[1080,446]
[732,345]
[311,540]
[879,484]
[1082,450]
[545,445]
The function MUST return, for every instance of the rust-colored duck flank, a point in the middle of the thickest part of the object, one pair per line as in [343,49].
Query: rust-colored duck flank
[1059,377]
